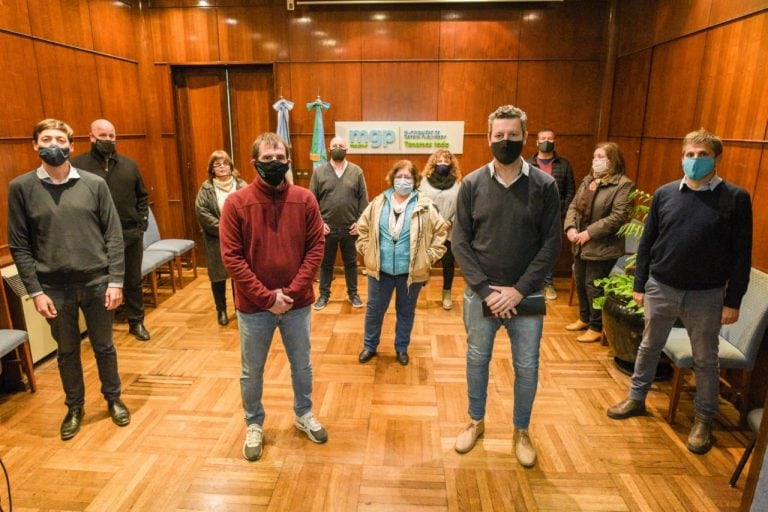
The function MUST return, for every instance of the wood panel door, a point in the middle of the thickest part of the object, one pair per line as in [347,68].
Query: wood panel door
[218,107]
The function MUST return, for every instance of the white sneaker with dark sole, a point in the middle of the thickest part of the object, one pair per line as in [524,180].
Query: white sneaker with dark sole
[310,426]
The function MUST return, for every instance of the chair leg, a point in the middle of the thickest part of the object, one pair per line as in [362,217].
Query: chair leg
[25,358]
[674,396]
[153,287]
[194,262]
[177,262]
[742,462]
[744,397]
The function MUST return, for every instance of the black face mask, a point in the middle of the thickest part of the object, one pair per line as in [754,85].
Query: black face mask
[546,146]
[53,155]
[507,151]
[443,169]
[272,172]
[338,154]
[104,147]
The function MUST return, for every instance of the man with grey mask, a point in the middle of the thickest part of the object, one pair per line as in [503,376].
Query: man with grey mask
[131,198]
[339,187]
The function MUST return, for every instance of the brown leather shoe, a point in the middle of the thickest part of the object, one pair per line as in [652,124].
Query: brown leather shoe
[524,450]
[578,325]
[468,437]
[700,439]
[626,409]
[590,337]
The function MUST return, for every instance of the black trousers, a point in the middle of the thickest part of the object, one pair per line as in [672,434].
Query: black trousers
[449,266]
[339,238]
[133,295]
[585,273]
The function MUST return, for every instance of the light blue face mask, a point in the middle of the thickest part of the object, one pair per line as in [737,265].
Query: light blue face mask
[403,186]
[696,168]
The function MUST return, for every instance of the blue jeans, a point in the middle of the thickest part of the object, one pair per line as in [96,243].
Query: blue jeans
[525,336]
[68,300]
[700,311]
[379,295]
[256,332]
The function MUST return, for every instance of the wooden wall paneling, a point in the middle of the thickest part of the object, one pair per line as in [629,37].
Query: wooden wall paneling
[676,18]
[675,77]
[251,101]
[477,152]
[400,91]
[660,163]
[470,91]
[480,33]
[724,10]
[376,168]
[760,215]
[63,21]
[185,35]
[300,162]
[339,84]
[580,27]
[733,90]
[258,33]
[332,33]
[19,81]
[121,99]
[16,158]
[576,149]
[113,26]
[14,15]
[740,164]
[630,148]
[630,90]
[636,21]
[164,95]
[404,33]
[567,104]
[69,90]
[177,223]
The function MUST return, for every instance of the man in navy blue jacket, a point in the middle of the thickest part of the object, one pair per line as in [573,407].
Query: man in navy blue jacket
[693,262]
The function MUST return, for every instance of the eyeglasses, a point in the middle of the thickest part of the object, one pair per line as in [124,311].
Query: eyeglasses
[222,164]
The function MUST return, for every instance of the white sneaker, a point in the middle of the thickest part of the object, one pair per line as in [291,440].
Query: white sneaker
[310,426]
[550,293]
[252,445]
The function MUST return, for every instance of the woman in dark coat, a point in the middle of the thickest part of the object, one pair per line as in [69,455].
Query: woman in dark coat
[222,181]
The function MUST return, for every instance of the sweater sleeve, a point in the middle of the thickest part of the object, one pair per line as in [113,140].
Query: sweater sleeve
[20,239]
[742,251]
[113,234]
[461,244]
[362,194]
[650,234]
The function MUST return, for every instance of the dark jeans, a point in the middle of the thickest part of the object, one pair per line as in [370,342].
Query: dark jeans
[379,295]
[219,289]
[585,273]
[449,266]
[133,294]
[68,299]
[339,237]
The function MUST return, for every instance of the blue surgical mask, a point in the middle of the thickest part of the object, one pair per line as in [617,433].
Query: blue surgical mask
[403,186]
[696,168]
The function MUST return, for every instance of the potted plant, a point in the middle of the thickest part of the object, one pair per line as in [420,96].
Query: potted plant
[623,319]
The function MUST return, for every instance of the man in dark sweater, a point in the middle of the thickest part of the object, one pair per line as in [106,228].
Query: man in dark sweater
[272,242]
[549,161]
[693,262]
[64,235]
[130,196]
[506,238]
[339,187]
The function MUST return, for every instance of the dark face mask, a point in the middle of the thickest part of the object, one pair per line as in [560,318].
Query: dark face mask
[53,155]
[338,154]
[443,169]
[104,147]
[507,151]
[272,172]
[546,146]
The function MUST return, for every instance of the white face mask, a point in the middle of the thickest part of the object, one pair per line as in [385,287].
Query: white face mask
[600,168]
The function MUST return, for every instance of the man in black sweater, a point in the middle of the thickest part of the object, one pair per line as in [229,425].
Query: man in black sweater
[506,238]
[130,196]
[693,262]
[64,235]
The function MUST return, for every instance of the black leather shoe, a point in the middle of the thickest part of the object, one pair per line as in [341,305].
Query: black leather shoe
[71,424]
[222,317]
[139,332]
[121,416]
[402,358]
[365,356]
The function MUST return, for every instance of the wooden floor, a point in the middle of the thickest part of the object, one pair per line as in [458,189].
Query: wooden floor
[391,428]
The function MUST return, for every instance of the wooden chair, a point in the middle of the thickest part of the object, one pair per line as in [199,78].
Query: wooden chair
[178,246]
[754,418]
[152,264]
[739,343]
[13,340]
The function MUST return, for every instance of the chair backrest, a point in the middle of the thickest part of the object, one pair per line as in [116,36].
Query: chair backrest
[152,234]
[747,334]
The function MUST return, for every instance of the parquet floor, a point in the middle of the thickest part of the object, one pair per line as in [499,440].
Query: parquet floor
[391,428]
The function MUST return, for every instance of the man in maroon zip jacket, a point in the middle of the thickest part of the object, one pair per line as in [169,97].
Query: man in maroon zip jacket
[272,244]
